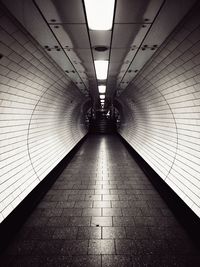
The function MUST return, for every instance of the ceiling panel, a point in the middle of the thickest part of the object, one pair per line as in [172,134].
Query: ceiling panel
[61,60]
[117,55]
[71,35]
[85,55]
[139,37]
[86,60]
[70,11]
[113,69]
[136,11]
[140,59]
[162,27]
[101,55]
[152,10]
[100,38]
[124,34]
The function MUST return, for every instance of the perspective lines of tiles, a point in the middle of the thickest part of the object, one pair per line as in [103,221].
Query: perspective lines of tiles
[101,211]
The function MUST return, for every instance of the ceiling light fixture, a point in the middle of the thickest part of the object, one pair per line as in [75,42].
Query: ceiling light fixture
[99,14]
[100,48]
[102,96]
[101,67]
[102,89]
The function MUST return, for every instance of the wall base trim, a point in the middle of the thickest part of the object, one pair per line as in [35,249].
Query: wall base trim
[12,223]
[185,216]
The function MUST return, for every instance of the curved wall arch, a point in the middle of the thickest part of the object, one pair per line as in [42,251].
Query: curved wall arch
[40,114]
[162,111]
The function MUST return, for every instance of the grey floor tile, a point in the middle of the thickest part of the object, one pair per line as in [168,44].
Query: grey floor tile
[102,204]
[65,233]
[83,204]
[113,232]
[120,204]
[58,221]
[97,246]
[135,211]
[72,212]
[50,247]
[23,247]
[65,204]
[91,212]
[74,247]
[116,261]
[42,233]
[101,221]
[24,261]
[125,247]
[112,212]
[89,233]
[86,261]
[79,221]
[101,211]
[93,197]
[137,232]
[111,197]
[123,221]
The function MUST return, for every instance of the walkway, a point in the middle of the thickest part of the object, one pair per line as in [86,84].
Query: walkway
[102,211]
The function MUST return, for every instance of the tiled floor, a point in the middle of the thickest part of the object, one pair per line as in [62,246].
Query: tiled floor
[102,211]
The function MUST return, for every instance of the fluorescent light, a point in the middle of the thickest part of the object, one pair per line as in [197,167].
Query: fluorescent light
[101,67]
[102,96]
[102,89]
[99,14]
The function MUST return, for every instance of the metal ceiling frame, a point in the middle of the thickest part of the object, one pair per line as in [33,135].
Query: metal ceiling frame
[164,1]
[41,13]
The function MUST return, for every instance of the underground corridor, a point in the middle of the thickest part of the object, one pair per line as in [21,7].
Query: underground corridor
[100,133]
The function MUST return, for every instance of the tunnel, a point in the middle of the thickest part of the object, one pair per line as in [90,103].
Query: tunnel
[100,133]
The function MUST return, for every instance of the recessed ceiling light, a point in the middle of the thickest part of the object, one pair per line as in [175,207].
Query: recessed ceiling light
[102,89]
[100,48]
[99,14]
[101,67]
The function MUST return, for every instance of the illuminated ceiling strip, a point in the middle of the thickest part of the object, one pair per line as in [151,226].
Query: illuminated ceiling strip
[99,14]
[102,89]
[101,67]
[102,96]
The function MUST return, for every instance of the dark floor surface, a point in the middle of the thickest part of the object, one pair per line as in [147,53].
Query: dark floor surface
[102,211]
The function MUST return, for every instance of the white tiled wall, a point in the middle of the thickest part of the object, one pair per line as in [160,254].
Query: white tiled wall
[162,108]
[40,118]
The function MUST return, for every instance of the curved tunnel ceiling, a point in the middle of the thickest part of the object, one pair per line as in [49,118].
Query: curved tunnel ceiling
[139,28]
